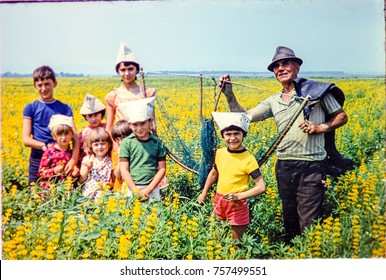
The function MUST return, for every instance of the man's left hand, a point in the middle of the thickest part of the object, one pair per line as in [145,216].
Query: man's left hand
[311,128]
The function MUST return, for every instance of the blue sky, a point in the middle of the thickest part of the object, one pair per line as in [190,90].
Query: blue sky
[83,37]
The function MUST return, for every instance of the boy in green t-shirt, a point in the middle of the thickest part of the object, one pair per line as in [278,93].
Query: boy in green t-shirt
[232,169]
[142,156]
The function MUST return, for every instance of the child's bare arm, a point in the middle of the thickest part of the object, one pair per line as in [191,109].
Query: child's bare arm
[112,179]
[75,172]
[210,180]
[110,116]
[75,154]
[85,168]
[126,176]
[26,135]
[157,179]
[117,172]
[258,189]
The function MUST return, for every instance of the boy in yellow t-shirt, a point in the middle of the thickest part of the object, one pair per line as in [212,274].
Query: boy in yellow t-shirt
[232,168]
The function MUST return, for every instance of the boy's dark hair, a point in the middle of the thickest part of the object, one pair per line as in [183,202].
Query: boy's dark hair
[103,112]
[121,129]
[127,63]
[233,127]
[42,73]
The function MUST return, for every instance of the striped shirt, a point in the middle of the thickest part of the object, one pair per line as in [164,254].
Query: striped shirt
[297,145]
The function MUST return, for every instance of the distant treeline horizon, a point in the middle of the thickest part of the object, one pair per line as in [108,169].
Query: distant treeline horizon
[262,74]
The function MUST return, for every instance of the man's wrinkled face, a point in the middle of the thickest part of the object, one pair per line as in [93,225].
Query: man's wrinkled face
[286,70]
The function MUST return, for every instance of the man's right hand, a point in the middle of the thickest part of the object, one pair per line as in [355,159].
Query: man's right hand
[225,85]
[226,88]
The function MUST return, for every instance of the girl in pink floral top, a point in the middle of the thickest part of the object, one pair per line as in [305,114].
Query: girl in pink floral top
[56,156]
[96,171]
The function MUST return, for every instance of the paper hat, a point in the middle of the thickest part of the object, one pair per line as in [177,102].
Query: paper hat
[225,119]
[138,110]
[61,119]
[91,105]
[125,55]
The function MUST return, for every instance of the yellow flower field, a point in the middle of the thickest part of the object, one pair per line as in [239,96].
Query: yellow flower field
[68,226]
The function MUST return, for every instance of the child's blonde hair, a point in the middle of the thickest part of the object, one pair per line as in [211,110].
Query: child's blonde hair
[121,129]
[61,129]
[98,134]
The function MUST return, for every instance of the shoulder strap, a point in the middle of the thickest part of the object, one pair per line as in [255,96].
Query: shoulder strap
[317,90]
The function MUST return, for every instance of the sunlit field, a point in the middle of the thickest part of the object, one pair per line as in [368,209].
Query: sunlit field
[67,226]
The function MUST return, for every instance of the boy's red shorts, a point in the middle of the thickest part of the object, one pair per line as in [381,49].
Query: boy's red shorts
[236,213]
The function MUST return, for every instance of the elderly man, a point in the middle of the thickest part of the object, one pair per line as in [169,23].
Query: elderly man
[301,164]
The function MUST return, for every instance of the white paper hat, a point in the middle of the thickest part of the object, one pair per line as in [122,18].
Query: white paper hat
[138,110]
[125,55]
[91,105]
[226,119]
[61,119]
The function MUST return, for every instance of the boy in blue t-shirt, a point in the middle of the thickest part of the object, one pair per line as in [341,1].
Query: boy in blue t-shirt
[37,115]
